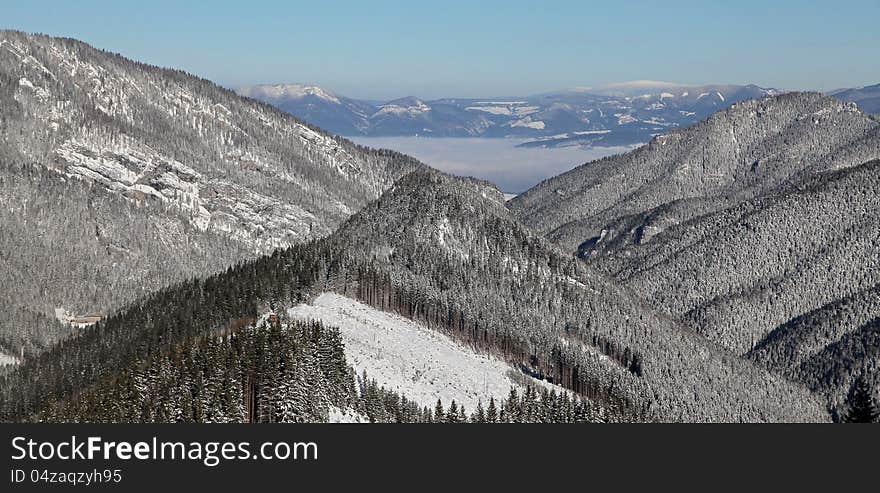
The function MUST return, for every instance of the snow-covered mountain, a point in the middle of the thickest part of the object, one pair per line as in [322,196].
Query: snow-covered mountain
[619,114]
[445,253]
[744,151]
[757,227]
[315,105]
[128,177]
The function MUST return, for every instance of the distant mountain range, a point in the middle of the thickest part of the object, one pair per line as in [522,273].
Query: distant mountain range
[614,115]
[620,114]
[868,97]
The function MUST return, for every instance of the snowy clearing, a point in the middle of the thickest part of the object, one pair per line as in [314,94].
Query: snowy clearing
[411,359]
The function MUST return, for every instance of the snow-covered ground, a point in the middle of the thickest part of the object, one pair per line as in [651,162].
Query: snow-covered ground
[420,363]
[7,359]
[338,415]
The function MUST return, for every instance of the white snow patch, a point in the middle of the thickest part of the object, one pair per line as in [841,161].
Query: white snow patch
[409,358]
[41,93]
[287,92]
[338,415]
[505,110]
[656,121]
[528,123]
[494,110]
[8,359]
[412,110]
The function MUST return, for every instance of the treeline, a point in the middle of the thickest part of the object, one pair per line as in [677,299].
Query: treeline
[375,286]
[221,305]
[262,373]
[290,373]
[531,405]
[157,324]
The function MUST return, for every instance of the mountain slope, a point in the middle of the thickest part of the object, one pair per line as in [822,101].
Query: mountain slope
[829,347]
[445,251]
[412,116]
[457,249]
[163,176]
[734,155]
[737,274]
[409,358]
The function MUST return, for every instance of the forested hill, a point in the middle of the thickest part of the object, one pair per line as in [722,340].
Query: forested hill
[457,245]
[737,274]
[828,348]
[118,178]
[446,252]
[789,278]
[736,154]
[757,228]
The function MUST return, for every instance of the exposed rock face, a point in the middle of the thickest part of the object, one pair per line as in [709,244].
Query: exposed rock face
[169,175]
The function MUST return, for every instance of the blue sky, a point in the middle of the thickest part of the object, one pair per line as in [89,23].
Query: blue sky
[384,49]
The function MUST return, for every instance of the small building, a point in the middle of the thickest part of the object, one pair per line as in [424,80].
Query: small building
[85,320]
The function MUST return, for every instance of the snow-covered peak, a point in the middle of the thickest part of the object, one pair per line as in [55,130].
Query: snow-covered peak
[410,106]
[287,92]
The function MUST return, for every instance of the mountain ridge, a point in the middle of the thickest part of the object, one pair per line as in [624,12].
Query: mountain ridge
[737,153]
[442,250]
[200,179]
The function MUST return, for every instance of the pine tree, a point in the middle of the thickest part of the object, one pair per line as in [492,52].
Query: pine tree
[439,415]
[480,415]
[860,402]
[491,411]
[512,411]
[452,413]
